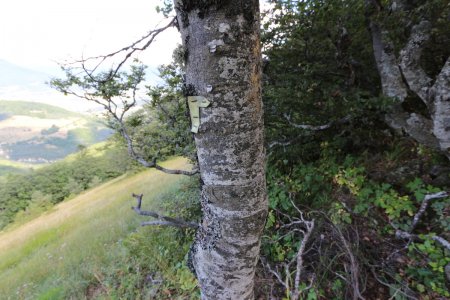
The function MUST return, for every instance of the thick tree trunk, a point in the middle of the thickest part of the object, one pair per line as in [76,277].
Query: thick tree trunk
[222,52]
[402,74]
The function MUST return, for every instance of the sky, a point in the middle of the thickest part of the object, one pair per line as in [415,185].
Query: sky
[37,34]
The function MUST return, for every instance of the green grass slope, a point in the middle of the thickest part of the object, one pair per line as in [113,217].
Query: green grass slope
[60,252]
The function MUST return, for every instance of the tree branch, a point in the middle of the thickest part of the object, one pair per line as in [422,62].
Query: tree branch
[390,74]
[400,234]
[414,125]
[316,127]
[424,206]
[308,226]
[139,45]
[162,220]
[408,235]
[415,76]
[354,266]
[146,163]
[299,257]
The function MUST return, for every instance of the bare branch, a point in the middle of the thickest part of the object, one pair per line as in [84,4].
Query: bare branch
[400,234]
[277,276]
[294,290]
[316,127]
[309,229]
[162,220]
[139,45]
[176,172]
[424,206]
[408,235]
[354,266]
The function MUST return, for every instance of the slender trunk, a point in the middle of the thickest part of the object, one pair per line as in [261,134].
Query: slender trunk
[222,52]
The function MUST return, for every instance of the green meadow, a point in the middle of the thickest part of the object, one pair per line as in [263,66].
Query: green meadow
[76,250]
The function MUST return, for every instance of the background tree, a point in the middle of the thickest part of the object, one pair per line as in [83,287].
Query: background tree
[414,67]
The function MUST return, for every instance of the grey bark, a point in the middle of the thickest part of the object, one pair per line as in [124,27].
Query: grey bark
[402,74]
[222,52]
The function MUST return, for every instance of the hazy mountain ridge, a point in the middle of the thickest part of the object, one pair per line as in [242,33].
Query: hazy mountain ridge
[18,83]
[11,74]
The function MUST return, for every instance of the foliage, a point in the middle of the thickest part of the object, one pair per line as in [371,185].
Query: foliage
[155,262]
[161,128]
[346,202]
[33,192]
[94,246]
[319,70]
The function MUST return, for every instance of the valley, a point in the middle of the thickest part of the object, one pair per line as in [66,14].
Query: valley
[35,133]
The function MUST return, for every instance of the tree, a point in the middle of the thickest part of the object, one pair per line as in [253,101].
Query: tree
[419,80]
[222,51]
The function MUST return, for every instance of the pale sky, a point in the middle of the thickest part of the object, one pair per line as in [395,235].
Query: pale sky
[36,33]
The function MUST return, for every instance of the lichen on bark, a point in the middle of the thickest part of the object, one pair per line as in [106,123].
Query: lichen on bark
[224,66]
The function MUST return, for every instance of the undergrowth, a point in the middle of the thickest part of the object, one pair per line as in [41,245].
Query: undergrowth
[152,264]
[359,203]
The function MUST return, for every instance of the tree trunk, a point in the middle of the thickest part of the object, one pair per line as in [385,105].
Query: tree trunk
[222,52]
[402,74]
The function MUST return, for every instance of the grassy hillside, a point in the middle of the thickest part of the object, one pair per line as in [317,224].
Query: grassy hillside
[63,254]
[38,133]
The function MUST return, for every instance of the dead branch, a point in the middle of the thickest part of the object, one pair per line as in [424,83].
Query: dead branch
[316,127]
[305,227]
[424,206]
[161,220]
[299,257]
[139,45]
[408,235]
[354,266]
[403,235]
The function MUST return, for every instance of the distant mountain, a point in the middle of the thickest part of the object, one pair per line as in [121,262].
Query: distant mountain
[13,75]
[20,83]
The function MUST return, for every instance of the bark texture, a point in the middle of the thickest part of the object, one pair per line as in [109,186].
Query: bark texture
[222,52]
[402,75]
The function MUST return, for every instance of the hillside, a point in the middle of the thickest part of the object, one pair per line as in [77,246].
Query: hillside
[61,253]
[33,132]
